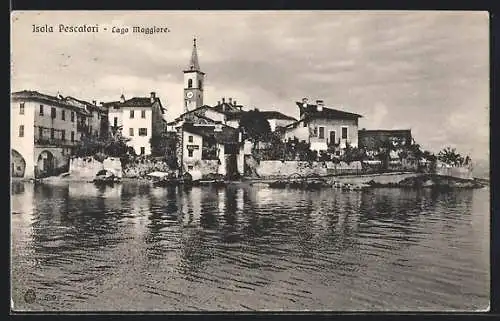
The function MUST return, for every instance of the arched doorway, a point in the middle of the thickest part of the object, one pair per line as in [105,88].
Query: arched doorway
[45,164]
[17,164]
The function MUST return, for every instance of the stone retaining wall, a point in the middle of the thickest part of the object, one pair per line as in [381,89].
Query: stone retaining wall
[88,167]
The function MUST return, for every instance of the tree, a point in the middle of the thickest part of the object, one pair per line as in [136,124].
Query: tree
[450,156]
[352,154]
[255,126]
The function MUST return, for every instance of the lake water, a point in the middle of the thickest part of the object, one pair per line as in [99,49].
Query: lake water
[77,247]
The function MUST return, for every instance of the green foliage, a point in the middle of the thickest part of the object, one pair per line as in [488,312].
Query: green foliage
[112,146]
[353,154]
[451,157]
[255,126]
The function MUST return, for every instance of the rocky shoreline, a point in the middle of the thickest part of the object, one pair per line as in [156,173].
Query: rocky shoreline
[314,183]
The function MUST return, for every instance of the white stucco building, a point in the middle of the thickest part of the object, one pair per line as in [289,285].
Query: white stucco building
[44,128]
[138,118]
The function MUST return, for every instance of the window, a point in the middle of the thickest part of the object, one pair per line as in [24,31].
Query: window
[21,131]
[143,150]
[190,168]
[52,133]
[115,121]
[315,132]
[143,131]
[304,124]
[73,116]
[40,132]
[21,109]
[72,136]
[131,114]
[63,135]
[131,132]
[190,83]
[344,132]
[332,137]
[190,139]
[199,84]
[190,153]
[90,129]
[53,112]
[41,110]
[321,132]
[63,115]
[143,114]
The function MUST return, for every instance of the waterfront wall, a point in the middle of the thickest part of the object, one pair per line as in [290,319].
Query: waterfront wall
[141,167]
[385,178]
[464,172]
[88,167]
[277,168]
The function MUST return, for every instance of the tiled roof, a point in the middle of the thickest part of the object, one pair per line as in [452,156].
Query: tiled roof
[134,102]
[311,111]
[227,135]
[44,98]
[86,103]
[276,115]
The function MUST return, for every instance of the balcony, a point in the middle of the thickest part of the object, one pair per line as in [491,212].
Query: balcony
[45,141]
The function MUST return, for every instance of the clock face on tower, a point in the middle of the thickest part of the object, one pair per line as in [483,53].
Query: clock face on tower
[189,94]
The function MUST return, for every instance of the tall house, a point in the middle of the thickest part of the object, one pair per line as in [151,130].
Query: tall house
[194,80]
[44,129]
[324,127]
[138,119]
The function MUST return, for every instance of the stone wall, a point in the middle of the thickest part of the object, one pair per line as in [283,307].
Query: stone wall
[303,168]
[88,167]
[141,167]
[464,172]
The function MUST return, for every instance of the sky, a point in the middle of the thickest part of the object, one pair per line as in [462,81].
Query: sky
[424,71]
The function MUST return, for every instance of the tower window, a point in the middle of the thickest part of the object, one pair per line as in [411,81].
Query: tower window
[190,83]
[199,84]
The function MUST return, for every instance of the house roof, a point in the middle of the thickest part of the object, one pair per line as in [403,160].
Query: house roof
[227,135]
[86,103]
[134,102]
[311,111]
[265,114]
[44,98]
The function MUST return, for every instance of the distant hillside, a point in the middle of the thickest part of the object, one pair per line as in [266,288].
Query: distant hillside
[481,169]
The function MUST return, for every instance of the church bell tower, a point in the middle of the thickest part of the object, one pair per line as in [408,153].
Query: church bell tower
[194,81]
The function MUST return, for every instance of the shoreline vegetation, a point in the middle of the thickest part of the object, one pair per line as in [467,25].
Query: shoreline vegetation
[313,182]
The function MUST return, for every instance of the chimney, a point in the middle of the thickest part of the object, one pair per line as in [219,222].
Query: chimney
[153,97]
[235,103]
[122,98]
[218,102]
[94,102]
[319,105]
[305,101]
[230,100]
[223,100]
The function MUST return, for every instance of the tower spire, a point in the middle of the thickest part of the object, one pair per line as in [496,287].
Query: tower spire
[194,65]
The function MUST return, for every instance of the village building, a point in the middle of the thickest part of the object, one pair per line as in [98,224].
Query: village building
[210,149]
[138,119]
[96,122]
[372,139]
[323,127]
[44,129]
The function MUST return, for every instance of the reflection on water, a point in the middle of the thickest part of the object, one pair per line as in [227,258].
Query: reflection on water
[137,247]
